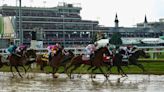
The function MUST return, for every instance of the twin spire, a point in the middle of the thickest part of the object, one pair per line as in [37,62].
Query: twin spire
[117,21]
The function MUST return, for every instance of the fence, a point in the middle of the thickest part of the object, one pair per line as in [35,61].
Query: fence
[79,50]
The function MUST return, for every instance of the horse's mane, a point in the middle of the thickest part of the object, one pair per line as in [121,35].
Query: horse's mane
[99,48]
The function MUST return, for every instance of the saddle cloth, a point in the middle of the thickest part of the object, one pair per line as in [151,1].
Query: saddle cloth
[45,57]
[85,57]
[125,58]
[106,58]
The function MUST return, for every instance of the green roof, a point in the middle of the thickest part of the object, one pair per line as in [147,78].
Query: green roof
[161,37]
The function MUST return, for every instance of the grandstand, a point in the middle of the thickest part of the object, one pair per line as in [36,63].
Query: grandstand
[63,24]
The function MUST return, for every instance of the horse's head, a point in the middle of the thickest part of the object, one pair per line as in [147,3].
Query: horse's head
[142,53]
[71,53]
[31,53]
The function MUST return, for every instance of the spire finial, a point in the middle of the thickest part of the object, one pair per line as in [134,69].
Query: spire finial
[145,21]
[116,18]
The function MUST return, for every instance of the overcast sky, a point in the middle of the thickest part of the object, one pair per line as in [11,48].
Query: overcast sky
[129,12]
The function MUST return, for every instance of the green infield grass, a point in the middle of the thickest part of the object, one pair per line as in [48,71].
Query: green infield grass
[150,67]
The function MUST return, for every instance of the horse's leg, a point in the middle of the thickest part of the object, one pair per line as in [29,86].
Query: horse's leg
[109,69]
[92,72]
[24,69]
[55,69]
[103,72]
[29,67]
[75,67]
[18,71]
[67,68]
[122,72]
[90,68]
[11,69]
[141,67]
[82,69]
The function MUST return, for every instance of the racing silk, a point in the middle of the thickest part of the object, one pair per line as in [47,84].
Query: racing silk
[90,49]
[52,48]
[11,49]
[21,48]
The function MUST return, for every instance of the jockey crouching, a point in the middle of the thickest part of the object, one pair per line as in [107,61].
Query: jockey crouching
[129,51]
[52,49]
[89,51]
[21,49]
[11,49]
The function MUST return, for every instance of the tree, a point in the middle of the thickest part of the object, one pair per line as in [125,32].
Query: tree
[116,39]
[98,36]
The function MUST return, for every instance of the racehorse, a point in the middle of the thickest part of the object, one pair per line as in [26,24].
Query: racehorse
[16,61]
[96,61]
[59,59]
[40,60]
[133,59]
[117,61]
[42,63]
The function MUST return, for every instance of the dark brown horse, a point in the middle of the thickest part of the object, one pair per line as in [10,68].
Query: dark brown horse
[117,61]
[59,59]
[95,62]
[133,59]
[43,61]
[19,61]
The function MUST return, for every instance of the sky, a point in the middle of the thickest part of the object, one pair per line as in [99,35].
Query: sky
[130,12]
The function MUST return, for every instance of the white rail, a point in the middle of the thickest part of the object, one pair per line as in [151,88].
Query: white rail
[80,50]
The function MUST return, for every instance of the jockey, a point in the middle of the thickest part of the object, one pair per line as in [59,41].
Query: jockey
[21,48]
[128,51]
[53,49]
[89,50]
[11,49]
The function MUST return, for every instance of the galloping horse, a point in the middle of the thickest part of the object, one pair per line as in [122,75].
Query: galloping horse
[44,63]
[117,61]
[133,59]
[17,61]
[96,61]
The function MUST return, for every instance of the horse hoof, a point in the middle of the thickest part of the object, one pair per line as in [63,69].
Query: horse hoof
[55,76]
